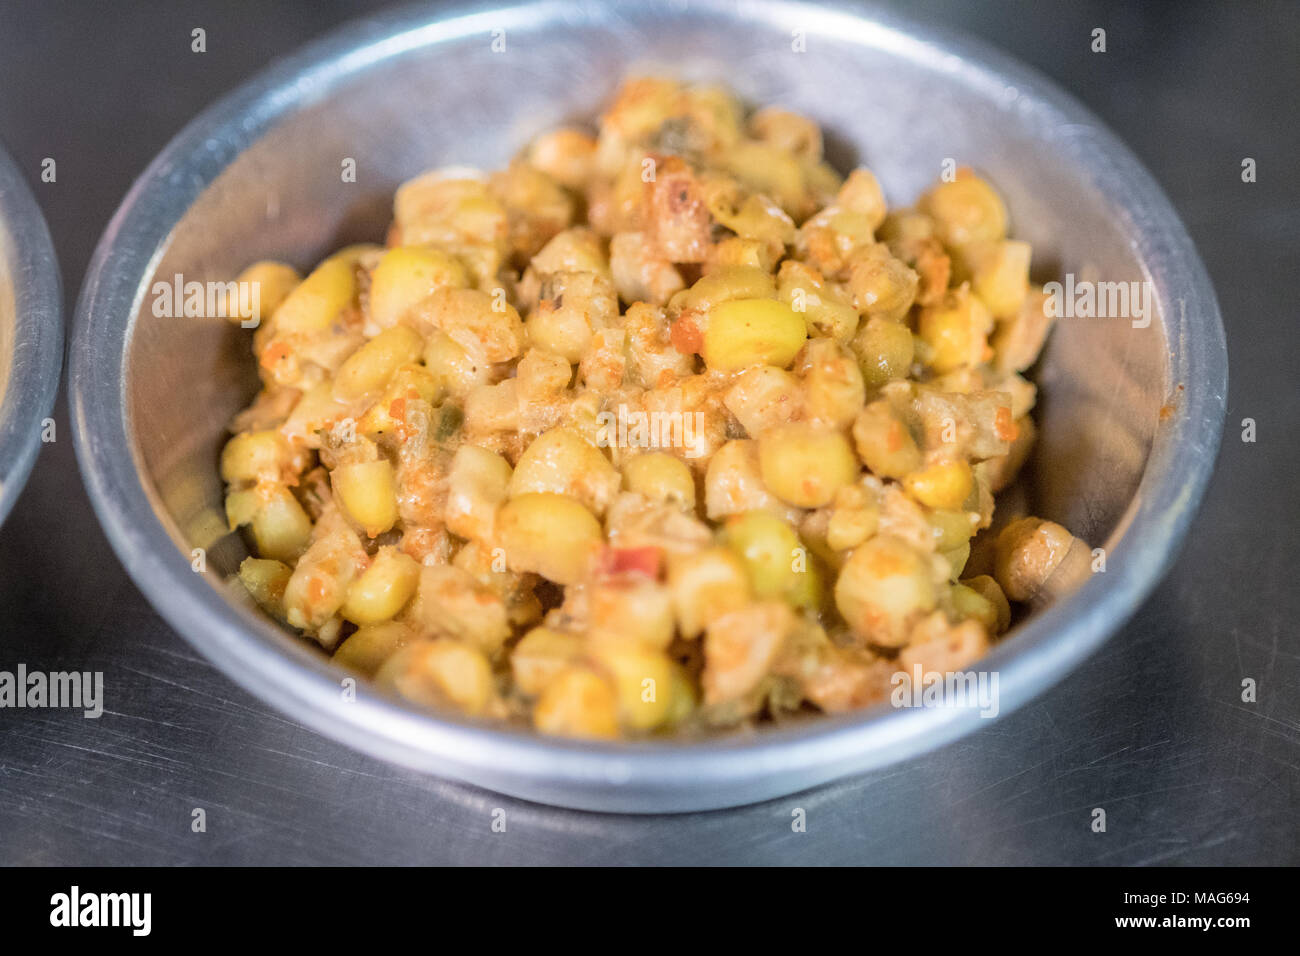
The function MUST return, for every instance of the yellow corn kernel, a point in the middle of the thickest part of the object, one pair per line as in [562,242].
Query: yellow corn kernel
[822,306]
[578,249]
[451,365]
[766,169]
[884,442]
[240,507]
[725,285]
[578,703]
[883,287]
[369,368]
[991,591]
[967,603]
[885,351]
[251,456]
[368,492]
[273,282]
[777,563]
[744,332]
[759,218]
[477,486]
[946,485]
[861,193]
[705,585]
[440,673]
[318,299]
[540,655]
[805,465]
[956,330]
[643,684]
[738,251]
[957,558]
[966,210]
[952,527]
[1000,274]
[660,477]
[549,534]
[833,386]
[281,528]
[265,579]
[561,461]
[881,587]
[406,276]
[566,155]
[849,526]
[371,645]
[383,588]
[357,254]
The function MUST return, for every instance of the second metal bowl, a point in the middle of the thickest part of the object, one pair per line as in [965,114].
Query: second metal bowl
[31,331]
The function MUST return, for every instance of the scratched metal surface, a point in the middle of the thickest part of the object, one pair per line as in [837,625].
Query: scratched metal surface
[1152,729]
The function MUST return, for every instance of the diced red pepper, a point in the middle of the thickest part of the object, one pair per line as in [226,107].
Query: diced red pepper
[1004,426]
[646,561]
[686,336]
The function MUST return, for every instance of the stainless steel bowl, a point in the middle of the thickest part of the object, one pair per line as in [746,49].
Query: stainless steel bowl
[31,331]
[1130,417]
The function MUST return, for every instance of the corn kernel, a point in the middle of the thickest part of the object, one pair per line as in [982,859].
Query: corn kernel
[777,563]
[406,276]
[369,368]
[540,656]
[660,477]
[370,646]
[383,588]
[744,332]
[805,465]
[946,485]
[368,492]
[578,703]
[318,299]
[273,281]
[550,534]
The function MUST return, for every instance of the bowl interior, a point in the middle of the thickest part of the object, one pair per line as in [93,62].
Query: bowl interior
[425,99]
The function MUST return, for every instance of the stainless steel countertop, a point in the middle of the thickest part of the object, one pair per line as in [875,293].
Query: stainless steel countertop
[1152,729]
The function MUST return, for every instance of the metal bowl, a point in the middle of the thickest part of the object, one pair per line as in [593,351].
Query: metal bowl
[31,331]
[1130,417]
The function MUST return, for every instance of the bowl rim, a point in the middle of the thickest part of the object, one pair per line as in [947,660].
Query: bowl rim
[37,357]
[625,776]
